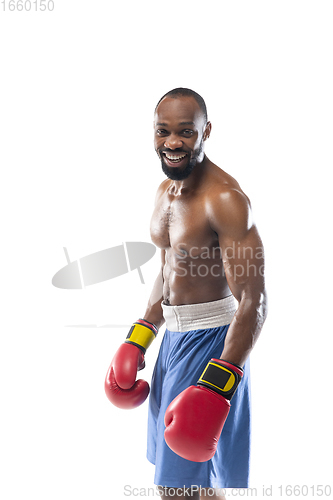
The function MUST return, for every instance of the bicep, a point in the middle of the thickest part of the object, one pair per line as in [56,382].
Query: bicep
[243,261]
[241,245]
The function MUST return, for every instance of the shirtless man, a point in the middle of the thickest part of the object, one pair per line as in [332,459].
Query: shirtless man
[211,293]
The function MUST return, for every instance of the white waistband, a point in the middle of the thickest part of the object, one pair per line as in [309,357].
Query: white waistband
[199,316]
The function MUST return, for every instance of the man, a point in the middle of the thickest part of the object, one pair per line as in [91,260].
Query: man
[211,255]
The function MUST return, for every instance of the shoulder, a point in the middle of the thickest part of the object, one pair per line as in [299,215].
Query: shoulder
[227,206]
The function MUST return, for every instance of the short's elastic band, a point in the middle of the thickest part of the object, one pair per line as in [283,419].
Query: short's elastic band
[199,316]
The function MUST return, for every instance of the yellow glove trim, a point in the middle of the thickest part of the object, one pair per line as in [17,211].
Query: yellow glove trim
[141,335]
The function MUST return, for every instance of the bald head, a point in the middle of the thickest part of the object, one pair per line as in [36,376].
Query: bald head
[184,92]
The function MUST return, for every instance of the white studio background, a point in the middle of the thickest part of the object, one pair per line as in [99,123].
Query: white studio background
[78,88]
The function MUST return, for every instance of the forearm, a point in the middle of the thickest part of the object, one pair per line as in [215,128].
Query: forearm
[154,312]
[245,328]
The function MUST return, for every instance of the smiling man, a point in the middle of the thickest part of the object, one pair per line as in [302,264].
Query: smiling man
[211,294]
[178,164]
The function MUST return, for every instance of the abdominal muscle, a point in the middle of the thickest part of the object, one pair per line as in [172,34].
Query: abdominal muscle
[193,279]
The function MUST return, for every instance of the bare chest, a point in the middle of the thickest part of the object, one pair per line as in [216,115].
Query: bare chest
[182,225]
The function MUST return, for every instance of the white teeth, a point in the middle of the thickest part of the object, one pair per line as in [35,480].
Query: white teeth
[175,157]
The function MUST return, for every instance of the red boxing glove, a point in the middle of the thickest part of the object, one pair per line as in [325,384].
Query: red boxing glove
[195,418]
[121,386]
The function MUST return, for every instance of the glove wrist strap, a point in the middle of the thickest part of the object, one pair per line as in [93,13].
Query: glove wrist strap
[141,334]
[222,377]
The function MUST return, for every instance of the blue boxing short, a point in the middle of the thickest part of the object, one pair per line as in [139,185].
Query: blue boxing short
[194,334]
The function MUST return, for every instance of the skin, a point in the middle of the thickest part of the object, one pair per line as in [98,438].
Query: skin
[210,246]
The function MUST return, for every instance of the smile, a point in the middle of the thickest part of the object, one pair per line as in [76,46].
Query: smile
[175,158]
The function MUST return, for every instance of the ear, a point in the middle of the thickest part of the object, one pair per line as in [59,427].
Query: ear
[207,131]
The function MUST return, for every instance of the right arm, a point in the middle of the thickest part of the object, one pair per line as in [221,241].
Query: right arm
[154,312]
[121,386]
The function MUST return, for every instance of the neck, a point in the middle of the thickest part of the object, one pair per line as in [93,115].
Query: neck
[193,179]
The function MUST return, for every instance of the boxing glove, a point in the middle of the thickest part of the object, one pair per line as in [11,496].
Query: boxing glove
[195,418]
[121,386]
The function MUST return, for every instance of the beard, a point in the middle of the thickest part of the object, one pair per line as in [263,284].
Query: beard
[179,174]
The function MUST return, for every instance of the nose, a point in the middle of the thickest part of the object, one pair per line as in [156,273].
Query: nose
[173,142]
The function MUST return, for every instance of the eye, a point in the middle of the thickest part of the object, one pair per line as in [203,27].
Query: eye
[188,132]
[161,132]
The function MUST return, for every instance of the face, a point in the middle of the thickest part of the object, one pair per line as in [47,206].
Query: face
[180,131]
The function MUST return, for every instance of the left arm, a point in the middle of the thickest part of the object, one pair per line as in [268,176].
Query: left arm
[194,434]
[243,260]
